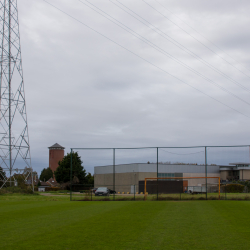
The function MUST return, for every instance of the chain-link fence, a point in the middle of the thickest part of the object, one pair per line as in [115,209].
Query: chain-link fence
[173,173]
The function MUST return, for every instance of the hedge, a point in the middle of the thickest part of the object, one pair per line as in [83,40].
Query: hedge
[233,188]
[16,190]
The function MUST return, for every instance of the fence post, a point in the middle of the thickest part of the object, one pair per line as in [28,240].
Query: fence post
[134,192]
[114,173]
[71,175]
[206,169]
[157,170]
[225,191]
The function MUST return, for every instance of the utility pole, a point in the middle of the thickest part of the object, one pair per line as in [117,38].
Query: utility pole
[14,137]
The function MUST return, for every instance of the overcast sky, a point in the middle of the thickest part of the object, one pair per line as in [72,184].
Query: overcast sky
[178,77]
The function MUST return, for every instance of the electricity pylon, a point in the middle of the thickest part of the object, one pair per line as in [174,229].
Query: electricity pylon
[14,139]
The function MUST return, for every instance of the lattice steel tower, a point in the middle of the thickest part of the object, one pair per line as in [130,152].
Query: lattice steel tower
[14,138]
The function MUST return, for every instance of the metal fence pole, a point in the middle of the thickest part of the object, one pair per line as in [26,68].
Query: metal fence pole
[114,173]
[206,169]
[134,192]
[225,191]
[32,180]
[157,170]
[71,175]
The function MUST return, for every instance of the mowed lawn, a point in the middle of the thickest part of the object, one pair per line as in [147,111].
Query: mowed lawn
[32,224]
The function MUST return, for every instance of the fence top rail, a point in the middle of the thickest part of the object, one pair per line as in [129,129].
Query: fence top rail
[155,178]
[228,146]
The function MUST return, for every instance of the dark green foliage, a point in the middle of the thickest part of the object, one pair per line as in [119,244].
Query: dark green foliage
[16,190]
[233,188]
[2,176]
[62,173]
[21,181]
[245,183]
[46,174]
[27,172]
[16,179]
[90,179]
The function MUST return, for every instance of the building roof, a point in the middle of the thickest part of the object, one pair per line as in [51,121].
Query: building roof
[56,145]
[44,184]
[240,163]
[152,168]
[52,182]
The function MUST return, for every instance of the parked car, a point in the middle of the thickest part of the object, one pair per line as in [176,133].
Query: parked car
[94,189]
[102,191]
[112,191]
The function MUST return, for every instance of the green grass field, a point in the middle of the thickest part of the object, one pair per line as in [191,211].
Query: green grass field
[36,222]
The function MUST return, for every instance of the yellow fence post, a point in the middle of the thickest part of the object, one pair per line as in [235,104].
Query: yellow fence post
[219,188]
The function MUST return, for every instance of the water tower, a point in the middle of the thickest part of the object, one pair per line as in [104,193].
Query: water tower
[56,154]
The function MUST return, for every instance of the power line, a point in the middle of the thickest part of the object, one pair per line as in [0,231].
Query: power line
[152,64]
[118,23]
[200,34]
[176,43]
[195,38]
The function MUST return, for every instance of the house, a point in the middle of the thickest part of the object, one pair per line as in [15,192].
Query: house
[53,183]
[43,186]
[235,171]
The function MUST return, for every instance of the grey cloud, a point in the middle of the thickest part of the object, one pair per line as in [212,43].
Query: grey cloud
[82,90]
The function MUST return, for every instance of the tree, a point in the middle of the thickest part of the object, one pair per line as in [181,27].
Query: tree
[19,178]
[46,174]
[62,173]
[90,179]
[27,172]
[2,177]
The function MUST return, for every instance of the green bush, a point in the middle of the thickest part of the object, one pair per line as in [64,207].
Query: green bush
[16,190]
[245,183]
[233,188]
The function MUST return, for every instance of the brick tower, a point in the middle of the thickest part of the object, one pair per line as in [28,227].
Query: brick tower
[56,154]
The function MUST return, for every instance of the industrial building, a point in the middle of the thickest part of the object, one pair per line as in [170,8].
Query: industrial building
[130,177]
[235,171]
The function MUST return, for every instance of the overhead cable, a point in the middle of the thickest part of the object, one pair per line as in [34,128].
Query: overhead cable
[201,34]
[176,43]
[123,26]
[152,64]
[195,38]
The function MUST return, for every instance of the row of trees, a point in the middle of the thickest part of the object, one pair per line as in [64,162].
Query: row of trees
[18,179]
[46,174]
[62,173]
